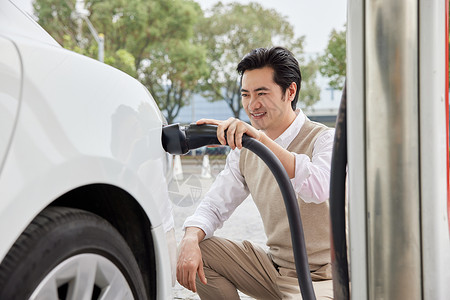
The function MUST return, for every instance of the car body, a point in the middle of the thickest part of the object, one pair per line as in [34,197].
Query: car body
[78,140]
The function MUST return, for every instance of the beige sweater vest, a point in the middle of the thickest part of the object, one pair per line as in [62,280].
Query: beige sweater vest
[267,197]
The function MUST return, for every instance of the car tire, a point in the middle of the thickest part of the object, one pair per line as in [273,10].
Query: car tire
[68,253]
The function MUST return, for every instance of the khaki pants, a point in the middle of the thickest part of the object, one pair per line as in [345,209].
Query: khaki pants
[241,265]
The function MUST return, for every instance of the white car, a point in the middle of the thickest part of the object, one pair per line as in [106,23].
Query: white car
[84,206]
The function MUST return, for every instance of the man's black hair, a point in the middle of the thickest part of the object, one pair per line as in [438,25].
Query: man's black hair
[281,60]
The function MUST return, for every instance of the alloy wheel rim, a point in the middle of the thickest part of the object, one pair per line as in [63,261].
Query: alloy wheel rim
[84,276]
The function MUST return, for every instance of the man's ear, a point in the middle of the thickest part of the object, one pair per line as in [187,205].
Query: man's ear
[292,90]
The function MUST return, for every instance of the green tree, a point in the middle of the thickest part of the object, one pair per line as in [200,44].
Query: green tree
[140,35]
[229,33]
[310,91]
[56,17]
[332,63]
[173,73]
[140,26]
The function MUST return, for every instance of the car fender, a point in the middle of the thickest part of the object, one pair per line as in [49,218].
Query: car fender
[116,139]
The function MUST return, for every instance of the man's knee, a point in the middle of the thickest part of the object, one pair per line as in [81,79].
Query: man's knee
[218,286]
[211,248]
[206,243]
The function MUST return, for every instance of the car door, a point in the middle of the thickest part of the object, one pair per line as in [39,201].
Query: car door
[10,90]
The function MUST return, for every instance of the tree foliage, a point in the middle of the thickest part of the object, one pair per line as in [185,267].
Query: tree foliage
[332,63]
[231,31]
[172,48]
[310,91]
[140,35]
[172,75]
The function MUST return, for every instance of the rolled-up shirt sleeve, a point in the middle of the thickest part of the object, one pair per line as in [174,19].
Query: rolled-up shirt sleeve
[312,176]
[226,193]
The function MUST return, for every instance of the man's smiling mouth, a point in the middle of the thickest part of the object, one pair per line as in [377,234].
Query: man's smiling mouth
[258,115]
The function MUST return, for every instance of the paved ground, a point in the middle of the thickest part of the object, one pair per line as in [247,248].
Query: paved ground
[244,224]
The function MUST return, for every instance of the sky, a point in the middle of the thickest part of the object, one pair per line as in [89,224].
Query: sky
[312,18]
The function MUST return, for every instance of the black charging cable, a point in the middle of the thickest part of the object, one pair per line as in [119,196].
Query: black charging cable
[339,259]
[293,213]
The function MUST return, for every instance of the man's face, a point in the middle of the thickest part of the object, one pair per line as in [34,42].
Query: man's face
[265,104]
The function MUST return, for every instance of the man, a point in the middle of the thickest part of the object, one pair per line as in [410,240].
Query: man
[270,83]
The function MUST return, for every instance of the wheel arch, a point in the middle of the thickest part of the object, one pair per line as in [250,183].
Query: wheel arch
[123,212]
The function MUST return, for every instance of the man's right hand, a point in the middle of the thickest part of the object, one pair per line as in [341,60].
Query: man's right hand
[190,259]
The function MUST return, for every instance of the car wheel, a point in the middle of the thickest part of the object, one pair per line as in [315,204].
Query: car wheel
[68,253]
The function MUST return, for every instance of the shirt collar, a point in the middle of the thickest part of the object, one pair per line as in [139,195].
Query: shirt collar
[291,132]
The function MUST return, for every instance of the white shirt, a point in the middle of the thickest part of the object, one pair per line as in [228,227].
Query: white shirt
[229,190]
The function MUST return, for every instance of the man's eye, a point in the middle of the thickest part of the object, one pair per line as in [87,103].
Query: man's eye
[261,94]
[244,95]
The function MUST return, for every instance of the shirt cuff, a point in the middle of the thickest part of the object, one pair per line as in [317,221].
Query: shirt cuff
[199,222]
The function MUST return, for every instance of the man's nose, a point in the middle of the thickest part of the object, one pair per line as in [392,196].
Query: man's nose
[254,103]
